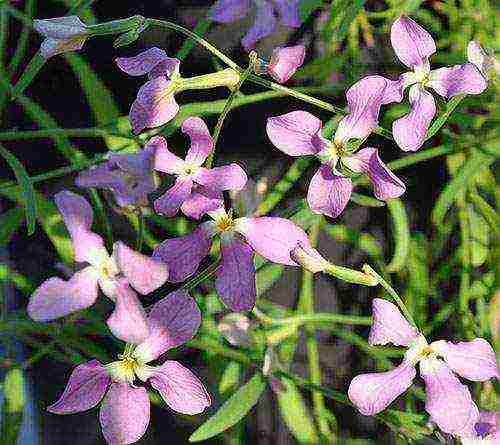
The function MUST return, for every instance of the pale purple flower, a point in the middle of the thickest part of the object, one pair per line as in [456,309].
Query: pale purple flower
[486,430]
[273,238]
[197,189]
[124,412]
[115,274]
[413,46]
[448,401]
[299,134]
[285,61]
[129,176]
[268,13]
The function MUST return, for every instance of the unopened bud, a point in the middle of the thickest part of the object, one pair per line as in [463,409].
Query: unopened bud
[235,328]
[126,38]
[351,275]
[309,258]
[224,78]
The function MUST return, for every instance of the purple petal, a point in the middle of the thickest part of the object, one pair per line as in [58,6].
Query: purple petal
[285,61]
[488,426]
[169,67]
[409,131]
[60,28]
[170,202]
[124,414]
[372,393]
[264,24]
[296,133]
[145,274]
[201,201]
[172,321]
[201,141]
[474,360]
[235,282]
[143,63]
[51,47]
[226,11]
[180,388]
[289,12]
[57,298]
[183,255]
[445,396]
[137,164]
[165,161]
[389,325]
[85,389]
[412,43]
[226,177]
[328,192]
[459,79]
[101,176]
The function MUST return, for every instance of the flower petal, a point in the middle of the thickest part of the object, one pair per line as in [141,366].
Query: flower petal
[51,47]
[226,177]
[85,389]
[412,43]
[142,63]
[227,11]
[172,321]
[60,28]
[285,61]
[235,281]
[264,24]
[289,12]
[459,79]
[165,161]
[201,142]
[409,131]
[372,393]
[201,201]
[169,203]
[124,414]
[328,192]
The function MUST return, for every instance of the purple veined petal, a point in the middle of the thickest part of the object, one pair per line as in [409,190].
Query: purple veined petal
[181,390]
[474,360]
[488,426]
[235,281]
[285,61]
[51,47]
[172,321]
[226,177]
[170,202]
[128,320]
[137,164]
[60,28]
[183,255]
[448,401]
[412,43]
[142,63]
[101,176]
[227,11]
[273,238]
[201,201]
[169,67]
[85,389]
[124,414]
[145,274]
[329,192]
[459,79]
[56,298]
[296,133]
[201,142]
[264,24]
[409,131]
[165,161]
[372,393]
[389,325]
[289,12]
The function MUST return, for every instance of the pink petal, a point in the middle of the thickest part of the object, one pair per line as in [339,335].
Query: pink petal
[264,24]
[57,298]
[124,414]
[459,79]
[144,274]
[296,133]
[226,177]
[285,61]
[409,131]
[172,321]
[226,11]
[143,63]
[235,282]
[165,161]
[328,192]
[85,389]
[372,393]
[169,203]
[389,325]
[289,12]
[412,43]
[201,142]
[169,67]
[201,201]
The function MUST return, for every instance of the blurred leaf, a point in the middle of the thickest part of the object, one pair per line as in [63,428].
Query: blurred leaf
[342,14]
[19,280]
[410,424]
[479,237]
[13,406]
[307,7]
[366,201]
[122,144]
[9,223]
[401,235]
[359,240]
[495,318]
[230,378]
[267,276]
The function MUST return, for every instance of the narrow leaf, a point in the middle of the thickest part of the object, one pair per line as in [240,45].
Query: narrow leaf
[9,223]
[401,235]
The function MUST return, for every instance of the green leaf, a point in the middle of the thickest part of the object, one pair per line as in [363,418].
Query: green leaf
[230,378]
[441,120]
[13,405]
[233,410]
[480,237]
[267,276]
[366,201]
[9,223]
[307,7]
[401,235]
[342,14]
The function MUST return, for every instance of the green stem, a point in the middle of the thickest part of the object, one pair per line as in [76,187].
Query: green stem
[22,42]
[316,317]
[28,75]
[201,277]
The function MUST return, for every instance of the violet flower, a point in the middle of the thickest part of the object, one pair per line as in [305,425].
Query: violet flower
[299,134]
[413,46]
[197,189]
[448,401]
[124,412]
[285,61]
[268,14]
[56,298]
[486,430]
[273,238]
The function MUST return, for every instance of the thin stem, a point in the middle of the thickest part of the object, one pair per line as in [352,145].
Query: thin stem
[201,277]
[316,317]
[140,230]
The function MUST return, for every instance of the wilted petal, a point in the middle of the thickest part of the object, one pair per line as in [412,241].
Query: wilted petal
[372,393]
[226,11]
[201,201]
[459,79]
[483,60]
[264,24]
[285,61]
[226,177]
[289,12]
[201,141]
[412,43]
[296,133]
[85,389]
[169,203]
[409,131]
[172,321]
[328,192]
[60,27]
[57,298]
[124,414]
[235,282]
[51,47]
[165,161]
[143,63]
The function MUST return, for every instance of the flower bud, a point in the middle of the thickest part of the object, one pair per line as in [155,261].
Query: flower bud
[126,38]
[224,78]
[285,61]
[309,258]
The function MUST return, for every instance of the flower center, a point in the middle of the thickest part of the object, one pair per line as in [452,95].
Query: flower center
[225,224]
[189,169]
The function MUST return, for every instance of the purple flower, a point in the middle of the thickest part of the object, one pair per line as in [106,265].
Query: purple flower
[285,61]
[439,362]
[299,134]
[486,430]
[196,190]
[272,238]
[413,46]
[129,176]
[114,274]
[268,14]
[124,412]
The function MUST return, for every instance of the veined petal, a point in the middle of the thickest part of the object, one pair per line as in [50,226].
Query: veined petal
[289,12]
[51,47]
[169,203]
[227,11]
[226,177]
[85,389]
[142,63]
[60,28]
[201,142]
[264,24]
[201,201]
[459,79]
[165,161]
[285,61]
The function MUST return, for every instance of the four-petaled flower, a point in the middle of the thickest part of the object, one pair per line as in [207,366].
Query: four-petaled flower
[448,401]
[124,412]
